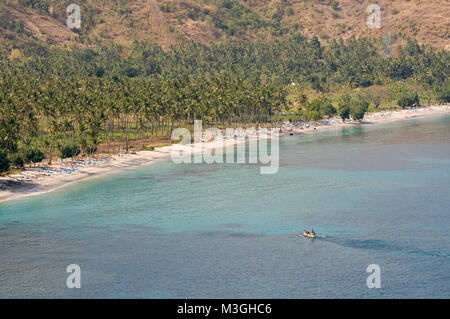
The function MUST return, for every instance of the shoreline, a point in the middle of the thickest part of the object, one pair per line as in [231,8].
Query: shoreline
[120,163]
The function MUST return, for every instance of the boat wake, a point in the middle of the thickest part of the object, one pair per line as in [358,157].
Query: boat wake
[307,237]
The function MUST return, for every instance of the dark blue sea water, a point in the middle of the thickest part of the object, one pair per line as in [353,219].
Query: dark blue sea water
[377,194]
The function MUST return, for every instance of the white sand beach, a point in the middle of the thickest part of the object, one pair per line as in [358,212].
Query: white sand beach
[35,181]
[39,181]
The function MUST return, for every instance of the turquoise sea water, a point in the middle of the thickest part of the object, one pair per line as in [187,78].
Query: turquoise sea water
[378,194]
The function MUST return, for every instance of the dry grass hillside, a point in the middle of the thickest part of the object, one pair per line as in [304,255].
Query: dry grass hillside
[169,21]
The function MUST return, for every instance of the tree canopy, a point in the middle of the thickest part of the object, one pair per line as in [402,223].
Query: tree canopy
[51,98]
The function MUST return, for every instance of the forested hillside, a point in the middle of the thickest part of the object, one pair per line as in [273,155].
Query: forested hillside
[77,99]
[167,22]
[64,92]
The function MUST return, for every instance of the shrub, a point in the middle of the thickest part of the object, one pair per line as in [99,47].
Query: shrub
[34,156]
[69,151]
[326,108]
[318,108]
[17,160]
[316,83]
[408,100]
[4,162]
[41,5]
[443,94]
[335,5]
[358,107]
[344,106]
[167,8]
[377,94]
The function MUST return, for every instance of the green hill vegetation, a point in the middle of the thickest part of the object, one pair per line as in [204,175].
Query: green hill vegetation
[168,22]
[65,93]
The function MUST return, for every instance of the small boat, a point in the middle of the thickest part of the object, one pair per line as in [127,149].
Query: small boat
[310,234]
